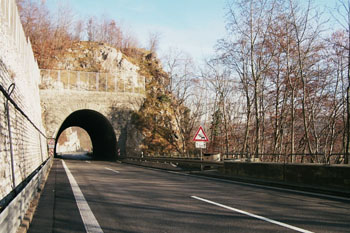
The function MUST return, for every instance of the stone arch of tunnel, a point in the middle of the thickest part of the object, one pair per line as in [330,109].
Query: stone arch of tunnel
[98,127]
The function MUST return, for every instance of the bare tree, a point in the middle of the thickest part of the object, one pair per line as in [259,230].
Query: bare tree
[49,37]
[306,31]
[187,103]
[153,41]
[343,18]
[254,50]
[221,85]
[91,29]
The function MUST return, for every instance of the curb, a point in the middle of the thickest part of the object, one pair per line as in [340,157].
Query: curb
[28,217]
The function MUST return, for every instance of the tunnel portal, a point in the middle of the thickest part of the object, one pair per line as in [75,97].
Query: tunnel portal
[100,130]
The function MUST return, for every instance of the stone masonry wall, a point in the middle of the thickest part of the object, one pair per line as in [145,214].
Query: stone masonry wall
[115,93]
[18,66]
[57,105]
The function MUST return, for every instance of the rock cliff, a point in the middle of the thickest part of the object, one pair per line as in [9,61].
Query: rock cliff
[152,128]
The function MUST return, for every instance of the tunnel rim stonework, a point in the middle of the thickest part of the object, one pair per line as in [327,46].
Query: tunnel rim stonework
[99,129]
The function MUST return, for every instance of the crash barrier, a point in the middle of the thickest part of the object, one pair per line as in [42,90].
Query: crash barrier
[13,214]
[335,178]
[24,158]
[174,163]
[23,146]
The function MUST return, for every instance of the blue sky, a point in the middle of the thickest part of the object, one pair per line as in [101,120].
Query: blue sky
[193,26]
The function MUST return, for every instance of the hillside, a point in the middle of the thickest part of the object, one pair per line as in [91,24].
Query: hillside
[155,121]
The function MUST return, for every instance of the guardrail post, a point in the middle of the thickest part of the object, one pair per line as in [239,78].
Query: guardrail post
[10,90]
[41,149]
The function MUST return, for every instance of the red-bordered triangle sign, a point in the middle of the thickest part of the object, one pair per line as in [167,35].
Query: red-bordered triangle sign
[200,136]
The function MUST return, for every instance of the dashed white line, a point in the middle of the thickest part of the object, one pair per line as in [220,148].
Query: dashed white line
[90,222]
[107,168]
[88,161]
[253,215]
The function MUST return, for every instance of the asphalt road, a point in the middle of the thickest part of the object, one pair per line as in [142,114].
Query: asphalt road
[113,197]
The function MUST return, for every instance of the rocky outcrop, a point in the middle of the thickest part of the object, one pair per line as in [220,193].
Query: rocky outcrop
[97,77]
[94,57]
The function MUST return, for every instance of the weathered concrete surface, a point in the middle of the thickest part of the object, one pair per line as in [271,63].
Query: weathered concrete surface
[333,177]
[116,107]
[95,77]
[18,66]
[121,80]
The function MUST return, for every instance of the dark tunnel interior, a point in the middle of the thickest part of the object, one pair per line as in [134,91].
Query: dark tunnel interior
[99,129]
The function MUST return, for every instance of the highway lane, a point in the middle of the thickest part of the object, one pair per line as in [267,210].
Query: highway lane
[125,198]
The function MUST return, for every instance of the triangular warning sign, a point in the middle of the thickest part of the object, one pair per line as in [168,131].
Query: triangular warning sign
[200,136]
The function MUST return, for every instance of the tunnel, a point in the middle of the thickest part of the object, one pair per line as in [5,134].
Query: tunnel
[100,130]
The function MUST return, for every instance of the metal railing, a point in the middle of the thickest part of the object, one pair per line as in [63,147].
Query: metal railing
[317,158]
[322,159]
[91,81]
[9,100]
[196,163]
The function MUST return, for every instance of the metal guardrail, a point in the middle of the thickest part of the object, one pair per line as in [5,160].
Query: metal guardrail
[14,207]
[8,97]
[178,160]
[7,94]
[298,158]
[265,158]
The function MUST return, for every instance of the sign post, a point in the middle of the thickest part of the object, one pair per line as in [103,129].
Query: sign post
[200,138]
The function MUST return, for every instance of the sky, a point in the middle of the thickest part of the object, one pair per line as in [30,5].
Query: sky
[192,26]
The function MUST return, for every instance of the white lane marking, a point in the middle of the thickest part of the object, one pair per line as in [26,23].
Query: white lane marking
[177,173]
[274,188]
[90,222]
[253,215]
[111,170]
[88,161]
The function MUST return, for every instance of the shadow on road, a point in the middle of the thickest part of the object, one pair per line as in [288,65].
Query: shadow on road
[75,156]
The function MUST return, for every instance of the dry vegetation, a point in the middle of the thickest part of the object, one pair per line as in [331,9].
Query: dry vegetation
[278,86]
[57,42]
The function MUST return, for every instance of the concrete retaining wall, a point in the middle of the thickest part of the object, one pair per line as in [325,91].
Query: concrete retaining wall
[23,145]
[323,176]
[18,66]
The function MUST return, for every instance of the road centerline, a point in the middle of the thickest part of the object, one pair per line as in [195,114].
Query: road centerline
[110,169]
[253,215]
[90,222]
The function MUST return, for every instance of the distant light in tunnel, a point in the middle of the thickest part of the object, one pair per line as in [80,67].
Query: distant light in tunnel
[98,128]
[74,139]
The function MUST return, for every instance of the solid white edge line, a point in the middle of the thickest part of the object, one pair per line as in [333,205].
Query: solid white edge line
[110,169]
[253,215]
[275,188]
[90,223]
[266,186]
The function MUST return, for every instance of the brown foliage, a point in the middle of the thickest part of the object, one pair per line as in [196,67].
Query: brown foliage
[52,36]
